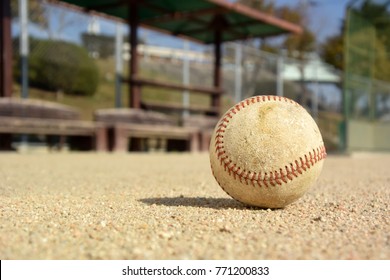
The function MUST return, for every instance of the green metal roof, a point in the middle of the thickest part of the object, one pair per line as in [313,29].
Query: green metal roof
[194,19]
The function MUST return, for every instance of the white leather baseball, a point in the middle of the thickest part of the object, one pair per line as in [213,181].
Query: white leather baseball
[266,151]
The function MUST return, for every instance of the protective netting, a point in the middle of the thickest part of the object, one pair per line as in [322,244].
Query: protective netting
[367,61]
[60,36]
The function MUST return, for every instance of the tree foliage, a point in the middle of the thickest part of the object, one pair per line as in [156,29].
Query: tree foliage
[60,66]
[379,16]
[36,12]
[333,49]
[298,44]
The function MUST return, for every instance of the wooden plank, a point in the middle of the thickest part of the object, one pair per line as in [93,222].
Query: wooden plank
[152,131]
[47,127]
[178,107]
[179,87]
[259,16]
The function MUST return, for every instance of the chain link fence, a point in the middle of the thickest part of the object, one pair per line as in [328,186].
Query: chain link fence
[367,74]
[247,71]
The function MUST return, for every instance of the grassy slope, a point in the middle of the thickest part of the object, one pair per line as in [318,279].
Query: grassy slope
[105,95]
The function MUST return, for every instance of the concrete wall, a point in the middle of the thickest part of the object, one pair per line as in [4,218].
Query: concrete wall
[368,136]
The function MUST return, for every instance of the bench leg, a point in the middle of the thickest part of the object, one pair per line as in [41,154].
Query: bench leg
[61,142]
[205,141]
[101,139]
[120,140]
[194,144]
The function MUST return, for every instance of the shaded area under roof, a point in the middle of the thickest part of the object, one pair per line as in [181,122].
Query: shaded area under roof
[194,19]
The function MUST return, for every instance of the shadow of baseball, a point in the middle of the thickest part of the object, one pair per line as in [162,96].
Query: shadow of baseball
[203,202]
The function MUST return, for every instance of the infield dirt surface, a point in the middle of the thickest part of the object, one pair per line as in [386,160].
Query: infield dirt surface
[168,206]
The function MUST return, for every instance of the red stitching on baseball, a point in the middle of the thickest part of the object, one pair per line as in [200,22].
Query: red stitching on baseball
[274,177]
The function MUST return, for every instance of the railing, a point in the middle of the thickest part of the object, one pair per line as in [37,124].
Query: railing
[214,93]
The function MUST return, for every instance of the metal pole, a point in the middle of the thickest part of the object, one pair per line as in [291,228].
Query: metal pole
[217,83]
[134,88]
[345,101]
[118,65]
[186,78]
[371,90]
[279,74]
[23,15]
[316,91]
[238,73]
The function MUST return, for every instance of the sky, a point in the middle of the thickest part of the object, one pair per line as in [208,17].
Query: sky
[325,15]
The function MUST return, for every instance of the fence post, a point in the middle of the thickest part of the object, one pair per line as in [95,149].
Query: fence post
[118,65]
[279,74]
[238,72]
[316,92]
[23,15]
[186,78]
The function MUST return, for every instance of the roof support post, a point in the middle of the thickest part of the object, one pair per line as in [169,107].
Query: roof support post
[5,62]
[134,88]
[5,49]
[217,83]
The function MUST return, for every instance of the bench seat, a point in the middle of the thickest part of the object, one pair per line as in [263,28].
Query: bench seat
[56,127]
[135,125]
[38,117]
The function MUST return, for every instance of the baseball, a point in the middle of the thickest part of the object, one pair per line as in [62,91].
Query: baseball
[266,151]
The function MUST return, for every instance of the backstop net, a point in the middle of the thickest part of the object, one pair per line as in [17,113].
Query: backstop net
[367,76]
[367,61]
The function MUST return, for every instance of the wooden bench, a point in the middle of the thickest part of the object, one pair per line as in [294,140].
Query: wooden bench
[129,128]
[178,108]
[137,83]
[35,117]
[204,126]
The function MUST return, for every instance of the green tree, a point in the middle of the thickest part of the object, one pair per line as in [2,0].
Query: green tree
[332,51]
[60,67]
[379,16]
[36,12]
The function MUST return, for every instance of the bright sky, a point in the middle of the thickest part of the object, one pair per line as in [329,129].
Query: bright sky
[326,15]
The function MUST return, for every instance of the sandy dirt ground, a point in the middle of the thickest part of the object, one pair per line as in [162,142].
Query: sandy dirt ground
[168,206]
